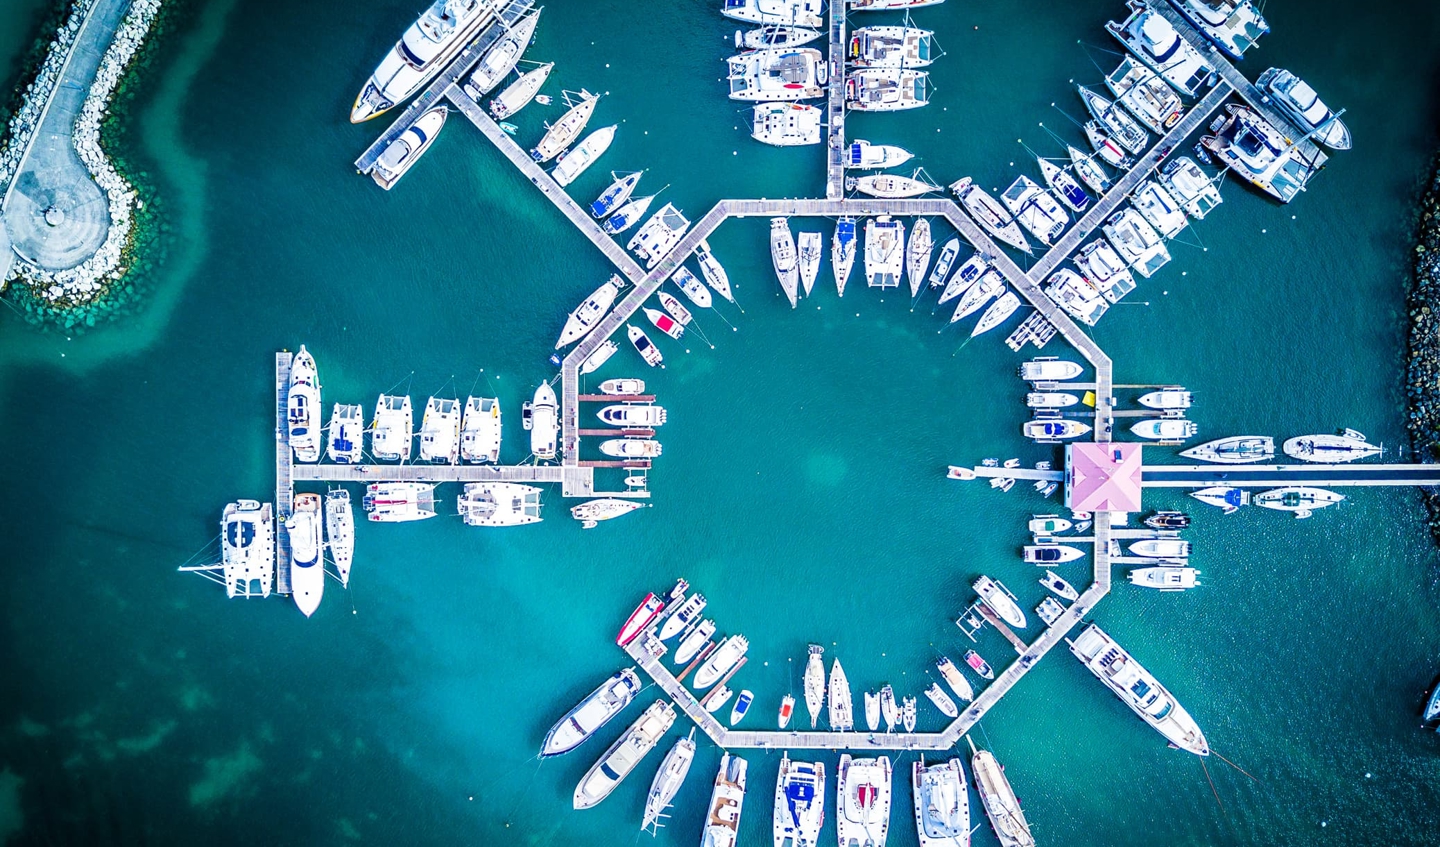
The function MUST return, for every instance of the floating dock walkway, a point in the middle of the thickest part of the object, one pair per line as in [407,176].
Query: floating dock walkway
[284,485]
[1276,476]
[836,148]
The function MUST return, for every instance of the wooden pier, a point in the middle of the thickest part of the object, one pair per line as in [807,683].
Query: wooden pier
[1123,187]
[835,144]
[1020,473]
[284,487]
[1276,476]
[509,13]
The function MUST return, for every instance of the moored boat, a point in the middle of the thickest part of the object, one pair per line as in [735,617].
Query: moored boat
[688,612]
[978,664]
[302,408]
[815,683]
[782,256]
[1224,498]
[1259,153]
[1161,548]
[1234,450]
[627,215]
[1153,103]
[890,186]
[502,56]
[997,313]
[964,279]
[1166,398]
[1136,241]
[631,448]
[665,323]
[518,94]
[644,346]
[1300,500]
[1091,172]
[796,13]
[694,641]
[1050,429]
[917,255]
[714,274]
[862,801]
[1189,185]
[1297,99]
[1168,520]
[591,713]
[624,755]
[616,195]
[1347,446]
[942,700]
[842,252]
[1121,127]
[1165,429]
[1158,207]
[404,151]
[1064,185]
[799,803]
[998,798]
[1035,209]
[988,212]
[842,711]
[480,430]
[1059,586]
[440,431]
[722,820]
[643,616]
[742,706]
[602,354]
[1000,601]
[423,51]
[787,711]
[1165,578]
[1103,268]
[307,567]
[659,235]
[499,504]
[942,803]
[247,548]
[1154,41]
[884,252]
[783,74]
[591,512]
[785,124]
[943,264]
[562,133]
[864,155]
[345,439]
[890,47]
[668,779]
[399,502]
[809,260]
[886,89]
[775,35]
[1077,297]
[544,422]
[1050,554]
[725,657]
[955,679]
[1138,689]
[340,531]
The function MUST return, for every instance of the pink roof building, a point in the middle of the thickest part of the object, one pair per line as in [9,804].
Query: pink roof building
[1102,476]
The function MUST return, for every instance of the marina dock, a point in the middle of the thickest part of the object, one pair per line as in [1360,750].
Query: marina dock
[1275,476]
[836,147]
[284,484]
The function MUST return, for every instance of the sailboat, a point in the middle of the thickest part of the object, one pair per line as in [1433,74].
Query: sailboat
[782,254]
[564,131]
[815,683]
[917,255]
[842,252]
[518,94]
[627,215]
[340,531]
[713,271]
[616,195]
[842,711]
[589,313]
[999,312]
[1001,804]
[988,212]
[810,250]
[668,779]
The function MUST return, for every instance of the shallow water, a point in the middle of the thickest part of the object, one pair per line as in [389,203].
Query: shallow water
[801,487]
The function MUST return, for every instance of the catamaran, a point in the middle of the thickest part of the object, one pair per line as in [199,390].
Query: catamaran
[1298,100]
[998,798]
[392,432]
[1255,150]
[499,504]
[302,408]
[518,94]
[307,568]
[423,51]
[1195,191]
[785,124]
[722,820]
[1136,241]
[810,251]
[1138,689]
[988,212]
[799,803]
[942,803]
[890,47]
[842,711]
[346,436]
[340,531]
[782,255]
[502,56]
[1035,209]
[1231,25]
[776,75]
[563,132]
[1076,296]
[1155,42]
[815,683]
[1345,447]
[406,150]
[480,430]
[659,235]
[440,431]
[1105,270]
[577,159]
[884,252]
[886,89]
[247,548]
[1149,99]
[668,779]
[1159,208]
[591,713]
[1235,450]
[842,252]
[862,800]
[917,256]
[622,757]
[800,13]
[399,502]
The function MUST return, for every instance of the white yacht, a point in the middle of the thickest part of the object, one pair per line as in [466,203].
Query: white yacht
[1036,209]
[1050,554]
[404,151]
[623,756]
[713,271]
[602,354]
[1105,270]
[942,803]
[1166,398]
[815,683]
[392,433]
[1138,689]
[340,532]
[398,502]
[1118,124]
[942,700]
[774,75]
[1000,601]
[775,35]
[644,346]
[1228,500]
[1158,207]
[499,504]
[886,89]
[785,124]
[694,641]
[890,47]
[1298,100]
[1165,429]
[842,708]
[726,656]
[1154,41]
[518,94]
[422,52]
[1049,369]
[955,679]
[801,13]
[1161,548]
[866,156]
[668,779]
[1063,185]
[591,713]
[591,512]
[1299,499]
[590,312]
[577,159]
[917,255]
[990,284]
[440,431]
[502,56]
[862,801]
[480,430]
[1076,296]
[1231,25]
[842,252]
[247,549]
[1136,241]
[964,277]
[810,251]
[302,408]
[692,288]
[1149,99]
[1345,447]
[561,134]
[872,710]
[307,567]
[627,215]
[659,235]
[685,614]
[799,803]
[1091,172]
[783,257]
[616,194]
[988,212]
[1235,450]
[890,186]
[1049,430]
[944,262]
[997,313]
[998,798]
[1191,187]
[1165,578]
[722,818]
[544,422]
[1258,152]
[345,440]
[884,252]
[884,5]
[633,415]
[1109,152]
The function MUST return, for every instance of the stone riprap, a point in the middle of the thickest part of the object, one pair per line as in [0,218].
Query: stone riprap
[1423,378]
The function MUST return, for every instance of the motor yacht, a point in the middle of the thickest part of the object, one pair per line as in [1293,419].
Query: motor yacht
[302,408]
[591,713]
[1154,41]
[307,567]
[1138,689]
[624,755]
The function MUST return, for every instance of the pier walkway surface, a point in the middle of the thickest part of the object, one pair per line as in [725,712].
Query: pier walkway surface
[1247,90]
[284,486]
[835,145]
[1247,476]
[508,15]
[1121,190]
[56,215]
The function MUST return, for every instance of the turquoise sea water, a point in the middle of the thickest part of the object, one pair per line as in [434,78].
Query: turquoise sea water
[801,487]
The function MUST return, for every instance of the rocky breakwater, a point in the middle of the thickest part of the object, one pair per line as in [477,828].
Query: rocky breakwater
[1423,378]
[88,281]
